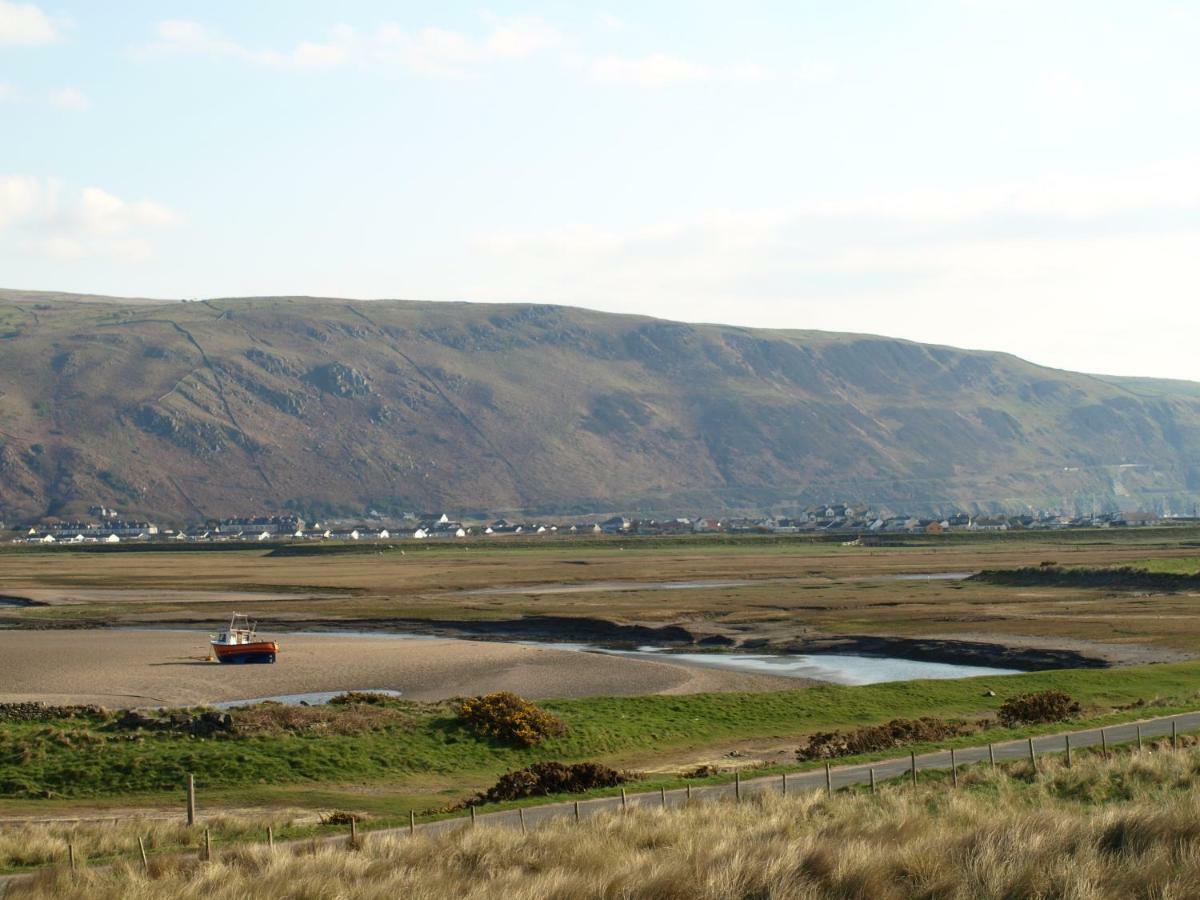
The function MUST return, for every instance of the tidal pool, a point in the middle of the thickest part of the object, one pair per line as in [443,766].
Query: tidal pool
[838,668]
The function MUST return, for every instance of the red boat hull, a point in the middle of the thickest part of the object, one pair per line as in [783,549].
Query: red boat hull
[257,652]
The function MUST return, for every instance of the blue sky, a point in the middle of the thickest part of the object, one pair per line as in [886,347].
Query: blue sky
[1020,176]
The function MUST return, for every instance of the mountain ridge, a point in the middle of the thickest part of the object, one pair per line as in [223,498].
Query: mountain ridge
[215,407]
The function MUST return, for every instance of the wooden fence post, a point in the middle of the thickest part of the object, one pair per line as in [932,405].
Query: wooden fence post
[953,767]
[624,800]
[207,845]
[992,756]
[577,811]
[828,781]
[71,855]
[521,816]
[913,755]
[412,821]
[1068,751]
[1104,744]
[271,837]
[472,816]
[662,792]
[1139,735]
[784,783]
[191,799]
[1174,735]
[689,794]
[872,779]
[737,786]
[1032,756]
[142,848]
[353,832]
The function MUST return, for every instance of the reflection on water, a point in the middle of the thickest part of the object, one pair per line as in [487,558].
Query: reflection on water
[839,668]
[313,698]
[583,587]
[588,586]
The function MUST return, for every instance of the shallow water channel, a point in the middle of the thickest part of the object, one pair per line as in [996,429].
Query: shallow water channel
[838,668]
[587,587]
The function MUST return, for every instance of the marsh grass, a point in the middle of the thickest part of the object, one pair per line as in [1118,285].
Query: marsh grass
[1127,827]
[41,844]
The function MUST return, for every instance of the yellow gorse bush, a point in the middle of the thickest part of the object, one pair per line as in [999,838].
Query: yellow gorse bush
[506,717]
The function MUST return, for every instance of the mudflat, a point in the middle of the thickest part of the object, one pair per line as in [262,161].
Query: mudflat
[170,668]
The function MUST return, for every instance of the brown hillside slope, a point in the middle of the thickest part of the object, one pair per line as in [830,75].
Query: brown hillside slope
[215,407]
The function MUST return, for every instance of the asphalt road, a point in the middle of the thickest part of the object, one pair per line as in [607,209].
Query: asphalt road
[838,777]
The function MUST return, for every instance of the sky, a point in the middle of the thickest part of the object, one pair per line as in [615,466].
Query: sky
[993,174]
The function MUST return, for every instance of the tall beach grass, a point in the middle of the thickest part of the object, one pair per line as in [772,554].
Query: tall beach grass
[1127,827]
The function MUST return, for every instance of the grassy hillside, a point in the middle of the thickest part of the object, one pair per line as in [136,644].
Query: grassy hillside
[188,409]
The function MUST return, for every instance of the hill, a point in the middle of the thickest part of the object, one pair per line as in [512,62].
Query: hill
[184,410]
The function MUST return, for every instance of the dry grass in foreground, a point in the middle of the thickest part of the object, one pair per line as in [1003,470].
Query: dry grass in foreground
[1126,828]
[37,844]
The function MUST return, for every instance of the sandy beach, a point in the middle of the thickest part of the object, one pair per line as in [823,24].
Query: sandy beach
[151,668]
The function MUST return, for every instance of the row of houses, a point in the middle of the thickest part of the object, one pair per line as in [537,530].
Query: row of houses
[833,518]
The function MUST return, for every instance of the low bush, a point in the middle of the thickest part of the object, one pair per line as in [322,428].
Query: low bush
[340,817]
[1034,709]
[873,738]
[510,719]
[265,719]
[361,698]
[546,778]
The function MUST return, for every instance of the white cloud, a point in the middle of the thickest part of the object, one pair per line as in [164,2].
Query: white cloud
[26,25]
[70,98]
[448,53]
[1077,270]
[64,98]
[41,216]
[428,51]
[661,69]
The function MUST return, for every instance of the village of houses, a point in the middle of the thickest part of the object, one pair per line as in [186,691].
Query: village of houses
[106,526]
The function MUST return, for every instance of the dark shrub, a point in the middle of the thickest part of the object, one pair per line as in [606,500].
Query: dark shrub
[872,738]
[1032,709]
[353,698]
[339,817]
[545,778]
[510,719]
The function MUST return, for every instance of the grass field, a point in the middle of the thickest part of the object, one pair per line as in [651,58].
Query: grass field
[420,760]
[1119,828]
[793,588]
[418,756]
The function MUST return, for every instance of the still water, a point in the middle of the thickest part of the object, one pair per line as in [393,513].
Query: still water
[838,668]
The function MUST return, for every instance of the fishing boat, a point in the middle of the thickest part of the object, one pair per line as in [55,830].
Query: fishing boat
[239,643]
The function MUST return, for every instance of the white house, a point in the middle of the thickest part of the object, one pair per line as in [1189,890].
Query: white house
[420,533]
